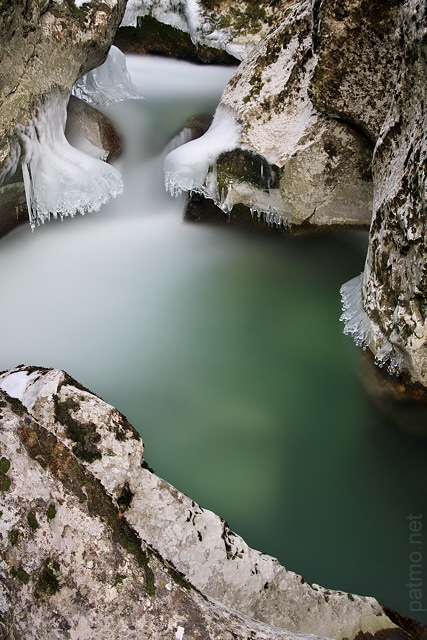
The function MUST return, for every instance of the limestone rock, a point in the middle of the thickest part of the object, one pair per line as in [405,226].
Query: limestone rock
[155,38]
[89,535]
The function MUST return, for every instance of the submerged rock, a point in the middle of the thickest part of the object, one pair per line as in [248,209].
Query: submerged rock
[93,544]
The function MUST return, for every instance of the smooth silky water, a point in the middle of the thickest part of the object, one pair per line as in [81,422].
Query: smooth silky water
[225,350]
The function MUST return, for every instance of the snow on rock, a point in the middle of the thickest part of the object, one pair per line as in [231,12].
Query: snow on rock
[108,83]
[59,179]
[77,436]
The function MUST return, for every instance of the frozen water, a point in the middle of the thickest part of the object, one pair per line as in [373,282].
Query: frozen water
[187,167]
[365,334]
[59,179]
[108,83]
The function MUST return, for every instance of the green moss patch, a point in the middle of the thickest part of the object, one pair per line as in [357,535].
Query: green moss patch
[47,582]
[84,435]
[51,511]
[240,165]
[4,465]
[5,483]
[20,574]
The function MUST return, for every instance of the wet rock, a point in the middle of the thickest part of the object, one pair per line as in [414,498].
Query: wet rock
[85,124]
[89,535]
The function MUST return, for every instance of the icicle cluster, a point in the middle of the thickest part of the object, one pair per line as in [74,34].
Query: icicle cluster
[270,216]
[358,324]
[108,83]
[59,179]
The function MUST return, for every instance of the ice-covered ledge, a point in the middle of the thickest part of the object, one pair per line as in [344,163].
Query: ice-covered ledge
[66,454]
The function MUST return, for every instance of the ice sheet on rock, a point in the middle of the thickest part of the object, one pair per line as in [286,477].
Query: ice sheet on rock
[59,179]
[365,334]
[108,83]
[187,167]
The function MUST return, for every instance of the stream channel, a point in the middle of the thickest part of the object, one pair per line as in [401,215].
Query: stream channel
[225,350]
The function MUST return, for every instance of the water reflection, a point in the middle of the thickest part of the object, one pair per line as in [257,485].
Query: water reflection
[226,352]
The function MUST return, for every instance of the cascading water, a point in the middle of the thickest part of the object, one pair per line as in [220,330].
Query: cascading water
[225,351]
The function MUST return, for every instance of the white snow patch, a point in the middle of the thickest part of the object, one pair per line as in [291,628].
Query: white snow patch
[59,179]
[108,83]
[186,168]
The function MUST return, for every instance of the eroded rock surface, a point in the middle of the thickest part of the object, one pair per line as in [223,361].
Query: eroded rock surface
[89,535]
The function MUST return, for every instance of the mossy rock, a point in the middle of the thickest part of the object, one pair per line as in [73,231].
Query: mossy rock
[240,165]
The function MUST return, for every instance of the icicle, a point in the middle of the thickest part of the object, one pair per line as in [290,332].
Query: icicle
[358,324]
[60,180]
[108,83]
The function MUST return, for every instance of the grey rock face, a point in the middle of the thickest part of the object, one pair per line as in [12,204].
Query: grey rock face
[89,535]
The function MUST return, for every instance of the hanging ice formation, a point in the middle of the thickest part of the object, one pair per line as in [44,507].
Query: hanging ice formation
[59,179]
[191,167]
[365,333]
[108,83]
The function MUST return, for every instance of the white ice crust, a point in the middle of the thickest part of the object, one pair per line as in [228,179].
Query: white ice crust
[59,179]
[108,83]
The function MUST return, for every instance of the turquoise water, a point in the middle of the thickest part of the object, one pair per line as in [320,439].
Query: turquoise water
[225,350]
